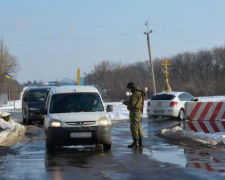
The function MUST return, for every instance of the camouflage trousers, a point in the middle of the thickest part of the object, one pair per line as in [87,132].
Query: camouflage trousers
[135,124]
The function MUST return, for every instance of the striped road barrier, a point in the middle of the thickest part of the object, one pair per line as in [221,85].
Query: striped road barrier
[205,126]
[201,111]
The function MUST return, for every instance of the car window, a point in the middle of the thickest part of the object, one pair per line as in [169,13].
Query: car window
[185,97]
[76,102]
[38,95]
[182,97]
[163,97]
[189,97]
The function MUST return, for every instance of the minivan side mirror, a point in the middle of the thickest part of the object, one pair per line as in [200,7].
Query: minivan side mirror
[195,99]
[109,108]
[43,111]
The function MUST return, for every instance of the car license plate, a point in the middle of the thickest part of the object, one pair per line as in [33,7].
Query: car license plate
[159,111]
[80,135]
[159,104]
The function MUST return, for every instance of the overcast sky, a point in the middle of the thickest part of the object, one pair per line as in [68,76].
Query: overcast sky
[53,38]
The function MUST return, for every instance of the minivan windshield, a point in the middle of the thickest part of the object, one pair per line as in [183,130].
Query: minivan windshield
[76,102]
[38,94]
[163,97]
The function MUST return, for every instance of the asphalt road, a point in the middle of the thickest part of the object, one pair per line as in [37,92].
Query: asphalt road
[157,160]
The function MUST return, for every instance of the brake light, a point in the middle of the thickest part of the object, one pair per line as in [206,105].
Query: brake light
[149,104]
[173,103]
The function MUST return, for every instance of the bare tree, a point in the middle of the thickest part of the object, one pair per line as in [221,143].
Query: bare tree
[8,64]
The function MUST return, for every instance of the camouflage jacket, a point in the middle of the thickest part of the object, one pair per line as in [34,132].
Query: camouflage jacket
[135,101]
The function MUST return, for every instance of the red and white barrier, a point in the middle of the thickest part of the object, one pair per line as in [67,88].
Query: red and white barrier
[209,111]
[205,126]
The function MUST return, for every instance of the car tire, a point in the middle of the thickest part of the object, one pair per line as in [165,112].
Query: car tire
[49,147]
[28,121]
[181,115]
[106,147]
[24,120]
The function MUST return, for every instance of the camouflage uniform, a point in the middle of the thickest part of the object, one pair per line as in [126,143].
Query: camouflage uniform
[134,106]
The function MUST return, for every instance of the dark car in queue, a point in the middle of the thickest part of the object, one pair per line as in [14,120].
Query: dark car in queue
[34,98]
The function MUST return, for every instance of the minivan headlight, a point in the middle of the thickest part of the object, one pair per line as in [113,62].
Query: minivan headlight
[103,121]
[56,123]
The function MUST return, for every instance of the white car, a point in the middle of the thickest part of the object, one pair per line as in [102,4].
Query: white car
[75,115]
[169,104]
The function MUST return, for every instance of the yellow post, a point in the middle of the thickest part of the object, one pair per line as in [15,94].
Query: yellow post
[78,76]
[167,87]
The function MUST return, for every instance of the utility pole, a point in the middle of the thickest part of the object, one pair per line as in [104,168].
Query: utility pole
[150,57]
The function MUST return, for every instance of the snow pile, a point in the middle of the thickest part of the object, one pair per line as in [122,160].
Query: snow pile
[4,114]
[11,132]
[177,133]
[119,111]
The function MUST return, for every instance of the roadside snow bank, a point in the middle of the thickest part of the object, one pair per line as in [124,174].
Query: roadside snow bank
[177,133]
[120,111]
[3,114]
[11,132]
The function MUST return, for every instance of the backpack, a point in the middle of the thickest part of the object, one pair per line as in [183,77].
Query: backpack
[140,101]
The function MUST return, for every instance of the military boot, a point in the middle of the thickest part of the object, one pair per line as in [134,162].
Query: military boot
[134,145]
[140,142]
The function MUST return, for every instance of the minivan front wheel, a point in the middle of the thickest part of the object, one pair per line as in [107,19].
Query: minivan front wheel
[28,121]
[49,147]
[181,115]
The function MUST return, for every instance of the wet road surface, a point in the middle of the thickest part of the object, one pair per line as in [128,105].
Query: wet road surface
[157,160]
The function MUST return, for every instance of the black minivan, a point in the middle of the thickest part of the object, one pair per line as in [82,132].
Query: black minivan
[34,98]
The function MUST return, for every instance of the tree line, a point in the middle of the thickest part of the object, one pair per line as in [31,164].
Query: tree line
[200,73]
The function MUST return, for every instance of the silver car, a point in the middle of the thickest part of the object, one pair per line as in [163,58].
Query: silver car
[169,104]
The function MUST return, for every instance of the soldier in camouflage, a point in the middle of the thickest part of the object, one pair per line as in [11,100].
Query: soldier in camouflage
[134,105]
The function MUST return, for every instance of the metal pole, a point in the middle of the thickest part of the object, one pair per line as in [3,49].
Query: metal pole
[150,57]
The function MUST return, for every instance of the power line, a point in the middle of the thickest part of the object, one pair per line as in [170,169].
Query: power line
[74,38]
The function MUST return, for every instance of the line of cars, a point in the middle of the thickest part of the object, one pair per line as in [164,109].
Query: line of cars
[72,115]
[75,115]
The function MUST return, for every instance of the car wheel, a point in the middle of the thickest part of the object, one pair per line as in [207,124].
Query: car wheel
[181,115]
[106,147]
[24,120]
[49,147]
[28,121]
